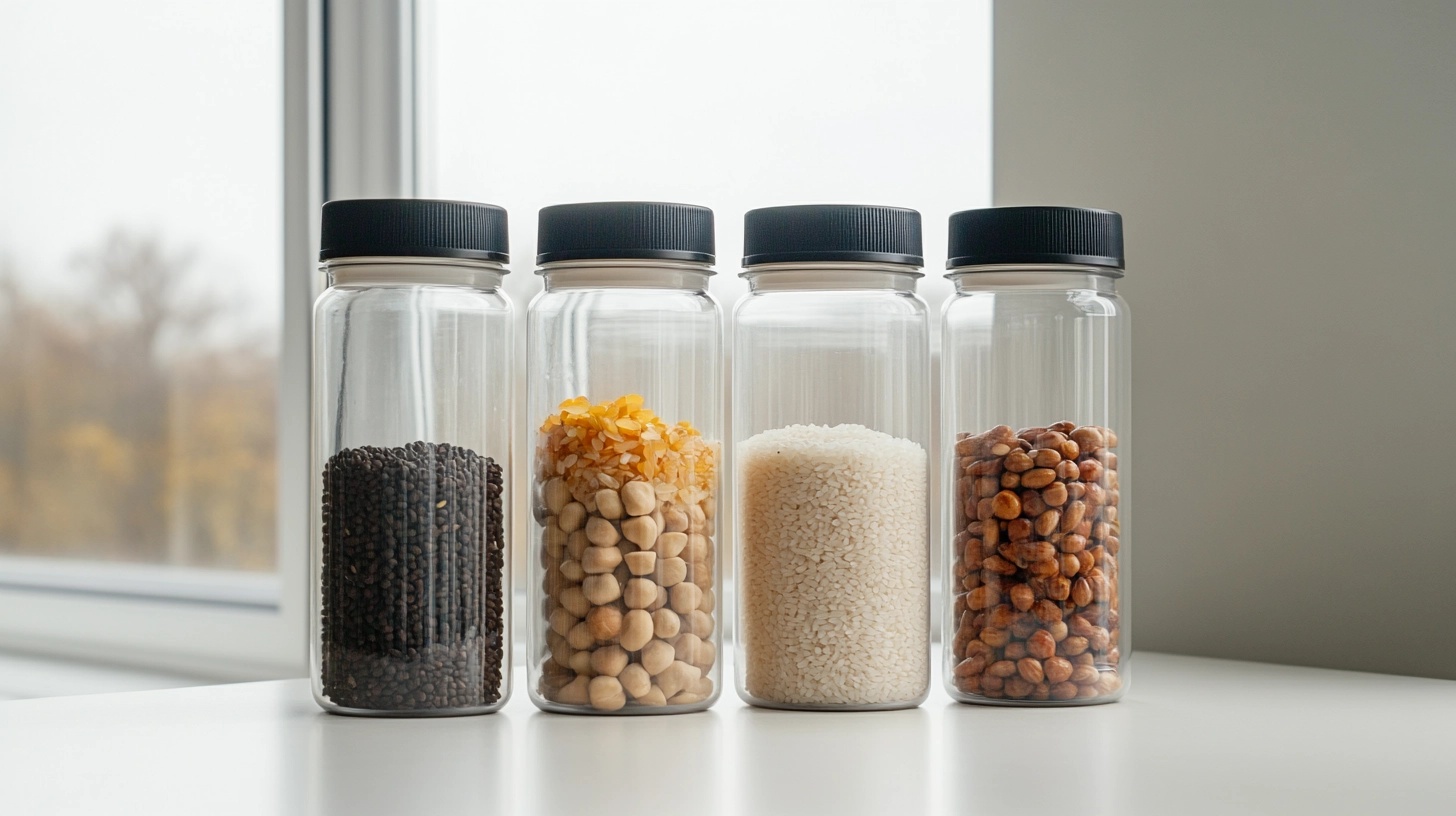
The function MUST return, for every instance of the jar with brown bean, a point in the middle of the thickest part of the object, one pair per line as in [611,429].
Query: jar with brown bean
[1036,392]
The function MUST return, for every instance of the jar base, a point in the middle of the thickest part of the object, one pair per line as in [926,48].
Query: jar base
[964,699]
[898,705]
[473,711]
[626,711]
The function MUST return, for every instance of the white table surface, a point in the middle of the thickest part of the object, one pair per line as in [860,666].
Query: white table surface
[1193,736]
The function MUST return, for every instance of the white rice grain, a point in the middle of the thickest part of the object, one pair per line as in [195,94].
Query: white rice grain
[835,568]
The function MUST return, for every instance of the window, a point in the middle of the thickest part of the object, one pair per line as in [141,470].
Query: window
[142,247]
[161,166]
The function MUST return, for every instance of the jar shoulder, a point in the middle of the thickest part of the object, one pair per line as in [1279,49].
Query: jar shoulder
[809,304]
[438,297]
[983,303]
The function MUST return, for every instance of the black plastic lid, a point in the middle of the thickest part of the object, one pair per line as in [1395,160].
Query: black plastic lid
[625,229]
[1035,235]
[413,227]
[832,232]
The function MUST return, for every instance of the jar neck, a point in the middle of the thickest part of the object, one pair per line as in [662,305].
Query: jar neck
[626,273]
[402,271]
[831,275]
[1034,276]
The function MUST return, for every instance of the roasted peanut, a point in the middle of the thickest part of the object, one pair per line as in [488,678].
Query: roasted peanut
[1038,541]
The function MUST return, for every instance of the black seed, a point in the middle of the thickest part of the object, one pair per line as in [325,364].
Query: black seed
[413,603]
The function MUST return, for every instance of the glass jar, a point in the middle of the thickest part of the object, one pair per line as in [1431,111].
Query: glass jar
[831,427]
[626,412]
[411,450]
[1035,414]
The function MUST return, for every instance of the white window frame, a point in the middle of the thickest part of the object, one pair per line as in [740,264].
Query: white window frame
[348,130]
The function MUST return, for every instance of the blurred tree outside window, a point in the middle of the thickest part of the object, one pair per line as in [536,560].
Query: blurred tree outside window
[141,234]
[121,438]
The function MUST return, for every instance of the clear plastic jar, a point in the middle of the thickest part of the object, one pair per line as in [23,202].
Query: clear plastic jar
[831,427]
[626,413]
[411,454]
[1036,416]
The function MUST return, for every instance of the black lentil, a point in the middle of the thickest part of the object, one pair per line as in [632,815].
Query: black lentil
[412,579]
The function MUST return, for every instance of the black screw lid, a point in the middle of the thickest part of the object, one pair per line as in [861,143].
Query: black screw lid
[625,229]
[832,232]
[1035,235]
[414,227]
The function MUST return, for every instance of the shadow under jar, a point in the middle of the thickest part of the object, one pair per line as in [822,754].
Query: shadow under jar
[1035,422]
[411,445]
[626,412]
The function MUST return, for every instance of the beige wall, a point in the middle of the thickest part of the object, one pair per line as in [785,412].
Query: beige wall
[1287,172]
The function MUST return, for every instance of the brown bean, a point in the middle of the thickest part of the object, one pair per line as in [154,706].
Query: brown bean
[1057,669]
[1067,470]
[1001,668]
[1018,462]
[1071,565]
[1045,568]
[1064,691]
[1041,645]
[987,467]
[1046,458]
[1022,597]
[1046,611]
[1019,687]
[1069,449]
[1059,588]
[1046,523]
[1073,645]
[999,565]
[1080,625]
[1055,495]
[1032,504]
[1037,478]
[1084,675]
[1030,669]
[1015,650]
[1082,592]
[1050,439]
[1072,516]
[1006,505]
[1018,529]
[1010,480]
[1088,437]
[996,637]
[975,665]
[1024,625]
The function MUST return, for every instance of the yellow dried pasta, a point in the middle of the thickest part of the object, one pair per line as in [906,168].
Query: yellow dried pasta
[611,443]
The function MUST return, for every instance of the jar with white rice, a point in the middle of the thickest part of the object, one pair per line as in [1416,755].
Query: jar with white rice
[832,425]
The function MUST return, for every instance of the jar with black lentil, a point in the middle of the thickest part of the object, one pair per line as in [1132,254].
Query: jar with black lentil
[411,449]
[1035,429]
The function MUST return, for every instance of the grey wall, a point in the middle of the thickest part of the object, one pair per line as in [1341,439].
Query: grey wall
[1287,172]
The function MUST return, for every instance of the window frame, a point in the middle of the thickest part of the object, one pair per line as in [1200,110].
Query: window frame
[348,81]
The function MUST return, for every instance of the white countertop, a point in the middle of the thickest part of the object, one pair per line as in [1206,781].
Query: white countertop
[1193,736]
